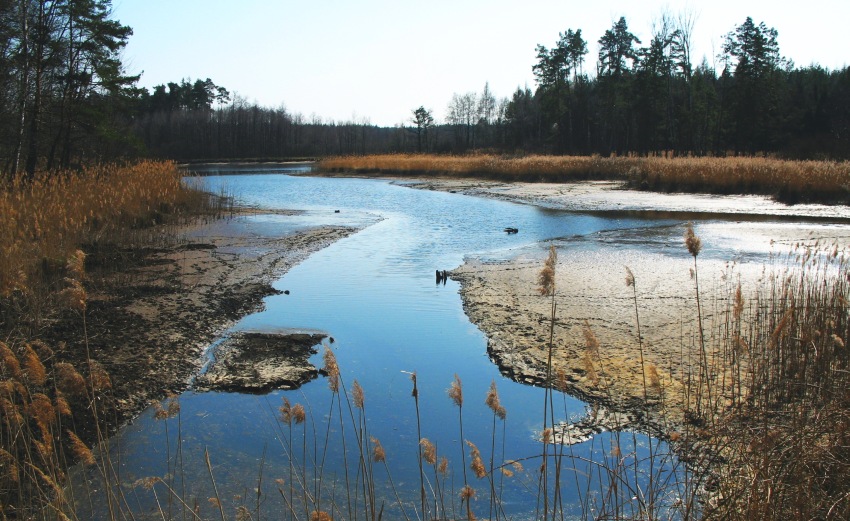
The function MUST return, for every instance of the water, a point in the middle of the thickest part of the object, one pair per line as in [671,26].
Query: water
[375,294]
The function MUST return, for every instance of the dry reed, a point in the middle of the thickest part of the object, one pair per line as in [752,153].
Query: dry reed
[787,181]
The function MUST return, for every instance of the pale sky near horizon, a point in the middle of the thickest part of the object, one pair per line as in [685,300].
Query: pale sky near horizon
[378,60]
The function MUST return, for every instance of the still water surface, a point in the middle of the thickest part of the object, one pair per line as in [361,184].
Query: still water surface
[375,294]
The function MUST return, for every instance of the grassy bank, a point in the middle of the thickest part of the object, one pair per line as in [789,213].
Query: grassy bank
[55,399]
[786,181]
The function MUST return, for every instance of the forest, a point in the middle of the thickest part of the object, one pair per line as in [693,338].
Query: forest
[66,101]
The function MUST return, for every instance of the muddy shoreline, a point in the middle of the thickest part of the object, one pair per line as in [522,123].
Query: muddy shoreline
[150,321]
[641,385]
[152,313]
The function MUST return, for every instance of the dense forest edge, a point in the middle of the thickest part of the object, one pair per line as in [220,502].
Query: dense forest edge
[87,158]
[66,101]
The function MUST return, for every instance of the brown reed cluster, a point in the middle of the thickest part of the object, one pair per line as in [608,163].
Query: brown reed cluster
[494,403]
[41,401]
[455,391]
[774,422]
[787,181]
[47,222]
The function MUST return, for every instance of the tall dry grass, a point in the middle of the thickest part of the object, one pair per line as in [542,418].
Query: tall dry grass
[771,427]
[786,181]
[766,434]
[44,221]
[50,408]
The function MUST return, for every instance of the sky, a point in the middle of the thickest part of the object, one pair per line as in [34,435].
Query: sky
[376,61]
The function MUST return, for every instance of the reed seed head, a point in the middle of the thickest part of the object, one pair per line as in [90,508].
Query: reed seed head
[332,370]
[61,404]
[357,395]
[320,515]
[467,493]
[477,464]
[654,377]
[41,410]
[69,381]
[80,450]
[378,454]
[616,452]
[299,414]
[429,451]
[285,411]
[591,343]
[9,365]
[738,307]
[455,392]
[692,242]
[630,278]
[100,380]
[415,392]
[494,403]
[443,467]
[561,380]
[33,367]
[546,277]
[10,466]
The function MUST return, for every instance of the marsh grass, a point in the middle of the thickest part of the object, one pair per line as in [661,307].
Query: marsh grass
[102,210]
[774,429]
[52,409]
[786,181]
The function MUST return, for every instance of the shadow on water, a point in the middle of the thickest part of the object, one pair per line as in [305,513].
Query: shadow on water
[375,294]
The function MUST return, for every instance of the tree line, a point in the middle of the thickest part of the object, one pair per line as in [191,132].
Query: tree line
[65,100]
[62,85]
[637,98]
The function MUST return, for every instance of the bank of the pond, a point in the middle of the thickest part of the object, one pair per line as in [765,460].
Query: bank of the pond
[149,322]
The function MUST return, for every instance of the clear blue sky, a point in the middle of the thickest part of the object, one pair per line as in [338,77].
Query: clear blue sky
[377,60]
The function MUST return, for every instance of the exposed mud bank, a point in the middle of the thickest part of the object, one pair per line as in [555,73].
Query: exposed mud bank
[151,316]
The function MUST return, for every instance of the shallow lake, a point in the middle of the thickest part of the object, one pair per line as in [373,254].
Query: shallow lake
[375,294]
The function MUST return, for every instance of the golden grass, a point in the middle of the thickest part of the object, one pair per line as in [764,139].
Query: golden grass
[45,221]
[45,224]
[787,181]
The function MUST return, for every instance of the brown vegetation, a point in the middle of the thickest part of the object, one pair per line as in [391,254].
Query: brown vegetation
[53,408]
[44,221]
[787,181]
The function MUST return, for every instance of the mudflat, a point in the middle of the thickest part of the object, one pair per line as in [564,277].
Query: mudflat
[149,320]
[596,354]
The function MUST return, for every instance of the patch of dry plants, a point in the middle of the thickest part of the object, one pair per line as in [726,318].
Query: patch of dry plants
[787,181]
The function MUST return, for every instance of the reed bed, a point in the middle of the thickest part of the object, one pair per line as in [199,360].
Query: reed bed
[50,408]
[786,181]
[767,405]
[45,220]
[770,418]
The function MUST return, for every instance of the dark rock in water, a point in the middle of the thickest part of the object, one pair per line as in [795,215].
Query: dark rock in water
[336,211]
[259,362]
[286,292]
[439,276]
[511,230]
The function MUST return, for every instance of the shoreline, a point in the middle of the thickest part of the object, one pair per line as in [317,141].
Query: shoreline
[501,297]
[182,298]
[150,322]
